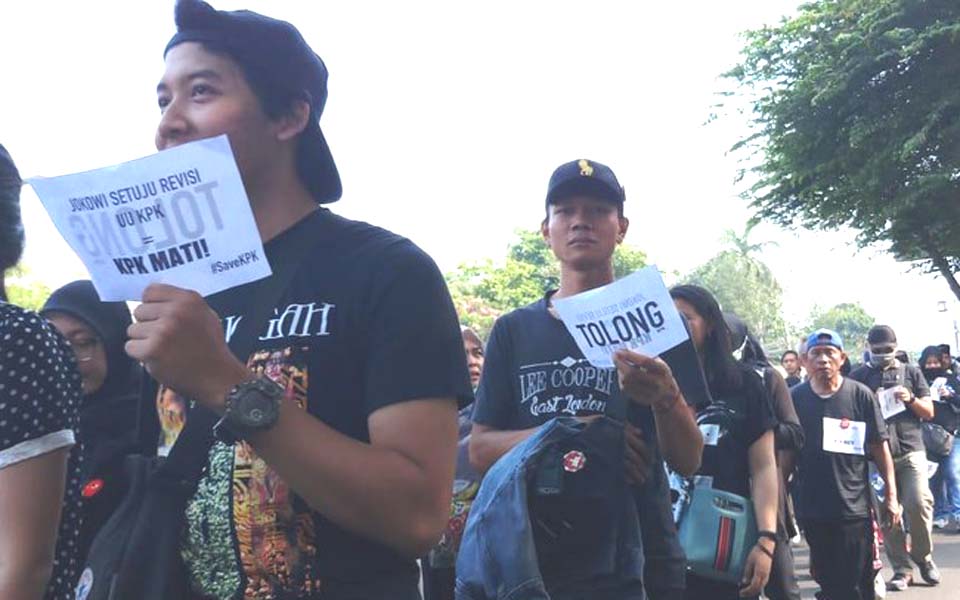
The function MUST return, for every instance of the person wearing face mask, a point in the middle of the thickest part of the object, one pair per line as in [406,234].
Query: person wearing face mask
[905,402]
[945,484]
[96,332]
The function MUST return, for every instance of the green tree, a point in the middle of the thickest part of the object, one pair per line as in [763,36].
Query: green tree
[745,286]
[851,321]
[856,122]
[485,290]
[24,291]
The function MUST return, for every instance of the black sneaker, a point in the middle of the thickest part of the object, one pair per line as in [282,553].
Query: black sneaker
[930,573]
[900,582]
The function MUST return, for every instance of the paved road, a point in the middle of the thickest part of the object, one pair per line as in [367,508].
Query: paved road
[946,553]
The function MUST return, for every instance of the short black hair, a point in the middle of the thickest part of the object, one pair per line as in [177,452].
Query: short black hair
[11,226]
[793,352]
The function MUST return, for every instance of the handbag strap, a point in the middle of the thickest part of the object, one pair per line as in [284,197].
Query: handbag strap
[188,456]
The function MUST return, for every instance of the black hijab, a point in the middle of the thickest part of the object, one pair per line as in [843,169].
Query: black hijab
[108,417]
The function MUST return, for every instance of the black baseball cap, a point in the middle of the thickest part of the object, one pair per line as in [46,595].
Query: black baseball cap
[584,177]
[274,54]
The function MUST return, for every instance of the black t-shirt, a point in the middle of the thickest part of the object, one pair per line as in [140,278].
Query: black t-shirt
[367,322]
[835,485]
[730,425]
[39,413]
[792,380]
[533,371]
[904,429]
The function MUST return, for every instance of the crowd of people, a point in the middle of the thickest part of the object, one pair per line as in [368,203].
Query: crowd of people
[389,452]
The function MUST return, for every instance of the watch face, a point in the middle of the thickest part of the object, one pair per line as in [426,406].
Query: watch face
[257,406]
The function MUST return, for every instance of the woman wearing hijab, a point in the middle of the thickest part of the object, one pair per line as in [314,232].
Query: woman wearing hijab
[945,390]
[738,429]
[438,566]
[39,458]
[97,332]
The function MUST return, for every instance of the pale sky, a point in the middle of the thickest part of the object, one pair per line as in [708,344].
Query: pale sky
[446,119]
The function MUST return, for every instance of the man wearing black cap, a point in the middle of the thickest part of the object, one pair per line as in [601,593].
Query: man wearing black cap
[338,430]
[843,428]
[905,399]
[535,372]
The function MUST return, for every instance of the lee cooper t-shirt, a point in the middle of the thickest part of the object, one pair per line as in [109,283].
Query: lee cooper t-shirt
[367,322]
[904,429]
[833,477]
[533,372]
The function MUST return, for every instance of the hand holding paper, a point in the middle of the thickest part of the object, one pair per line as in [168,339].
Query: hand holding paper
[646,381]
[180,341]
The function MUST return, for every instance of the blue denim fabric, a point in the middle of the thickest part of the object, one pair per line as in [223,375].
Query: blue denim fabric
[946,485]
[498,558]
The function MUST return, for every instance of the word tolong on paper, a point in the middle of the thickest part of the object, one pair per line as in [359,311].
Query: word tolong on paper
[179,217]
[635,312]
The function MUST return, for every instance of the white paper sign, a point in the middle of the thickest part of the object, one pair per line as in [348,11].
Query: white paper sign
[936,388]
[889,405]
[844,436]
[635,312]
[179,217]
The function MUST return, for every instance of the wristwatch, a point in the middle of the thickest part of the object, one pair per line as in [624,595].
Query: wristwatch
[251,406]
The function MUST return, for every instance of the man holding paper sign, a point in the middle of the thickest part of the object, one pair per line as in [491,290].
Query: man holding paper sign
[333,465]
[904,401]
[534,370]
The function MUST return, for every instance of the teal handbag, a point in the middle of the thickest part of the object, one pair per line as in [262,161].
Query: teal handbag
[717,531]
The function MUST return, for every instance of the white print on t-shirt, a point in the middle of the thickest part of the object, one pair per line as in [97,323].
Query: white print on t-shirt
[889,405]
[563,374]
[711,433]
[547,387]
[296,320]
[844,436]
[568,405]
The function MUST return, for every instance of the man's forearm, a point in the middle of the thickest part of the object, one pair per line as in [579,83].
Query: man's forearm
[922,408]
[373,491]
[680,440]
[487,446]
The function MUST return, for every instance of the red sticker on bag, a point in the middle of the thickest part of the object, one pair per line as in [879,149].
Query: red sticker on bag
[573,461]
[92,488]
[844,423]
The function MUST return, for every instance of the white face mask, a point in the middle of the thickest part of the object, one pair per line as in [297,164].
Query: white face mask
[882,359]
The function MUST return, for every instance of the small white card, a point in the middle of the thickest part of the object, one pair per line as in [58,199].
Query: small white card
[936,388]
[844,436]
[179,217]
[635,312]
[710,433]
[889,405]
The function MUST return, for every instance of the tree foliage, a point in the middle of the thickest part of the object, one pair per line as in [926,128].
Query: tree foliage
[851,321]
[24,291]
[744,285]
[856,122]
[485,290]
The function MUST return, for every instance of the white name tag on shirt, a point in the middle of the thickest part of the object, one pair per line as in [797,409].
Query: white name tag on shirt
[844,436]
[711,433]
[889,405]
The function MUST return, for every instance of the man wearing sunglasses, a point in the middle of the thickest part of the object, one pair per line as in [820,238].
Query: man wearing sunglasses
[905,399]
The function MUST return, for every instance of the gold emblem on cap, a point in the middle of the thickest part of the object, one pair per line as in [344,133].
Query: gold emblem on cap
[585,169]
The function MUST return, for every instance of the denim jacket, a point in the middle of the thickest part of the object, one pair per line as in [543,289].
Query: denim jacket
[498,558]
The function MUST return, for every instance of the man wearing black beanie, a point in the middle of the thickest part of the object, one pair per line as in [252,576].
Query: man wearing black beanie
[903,413]
[338,430]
